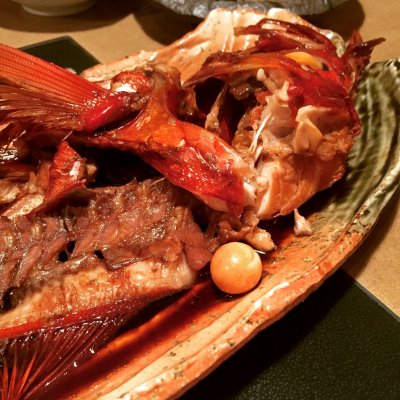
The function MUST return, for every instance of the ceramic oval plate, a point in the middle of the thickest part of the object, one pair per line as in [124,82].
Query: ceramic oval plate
[178,343]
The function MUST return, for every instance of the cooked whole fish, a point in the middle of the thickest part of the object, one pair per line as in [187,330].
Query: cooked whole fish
[252,121]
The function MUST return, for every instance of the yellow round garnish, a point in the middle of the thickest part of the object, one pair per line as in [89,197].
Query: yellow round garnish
[236,268]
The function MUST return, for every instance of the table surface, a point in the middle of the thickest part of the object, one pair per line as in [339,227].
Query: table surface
[112,32]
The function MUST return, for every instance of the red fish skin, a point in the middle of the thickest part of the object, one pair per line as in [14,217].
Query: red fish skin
[317,89]
[66,174]
[188,155]
[328,83]
[175,148]
[41,317]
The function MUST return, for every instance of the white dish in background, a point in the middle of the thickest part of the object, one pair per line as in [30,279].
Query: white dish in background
[55,8]
[201,8]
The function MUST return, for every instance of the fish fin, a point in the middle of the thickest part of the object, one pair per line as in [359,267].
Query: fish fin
[51,96]
[24,105]
[31,363]
[66,175]
[29,72]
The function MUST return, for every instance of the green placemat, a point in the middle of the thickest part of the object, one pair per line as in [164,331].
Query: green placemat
[63,51]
